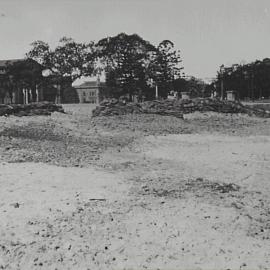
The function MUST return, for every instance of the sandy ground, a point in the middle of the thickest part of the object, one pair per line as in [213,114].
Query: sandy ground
[134,192]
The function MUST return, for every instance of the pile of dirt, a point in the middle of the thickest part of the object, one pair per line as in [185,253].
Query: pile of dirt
[198,186]
[176,107]
[39,108]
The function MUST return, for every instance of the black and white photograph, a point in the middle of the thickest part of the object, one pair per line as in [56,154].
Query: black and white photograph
[135,134]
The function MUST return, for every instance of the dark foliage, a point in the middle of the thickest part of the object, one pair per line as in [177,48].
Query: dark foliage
[250,81]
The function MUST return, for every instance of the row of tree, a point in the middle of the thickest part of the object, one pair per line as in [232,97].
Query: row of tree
[131,64]
[19,74]
[249,81]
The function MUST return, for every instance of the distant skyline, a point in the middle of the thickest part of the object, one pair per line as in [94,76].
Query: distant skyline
[207,32]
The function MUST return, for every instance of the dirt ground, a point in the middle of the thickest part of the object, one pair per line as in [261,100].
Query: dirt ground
[134,192]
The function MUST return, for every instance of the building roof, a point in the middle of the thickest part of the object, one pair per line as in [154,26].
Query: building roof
[90,84]
[4,63]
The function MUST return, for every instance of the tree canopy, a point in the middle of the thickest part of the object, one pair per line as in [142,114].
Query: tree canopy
[250,80]
[20,74]
[132,63]
[69,59]
[164,66]
[123,58]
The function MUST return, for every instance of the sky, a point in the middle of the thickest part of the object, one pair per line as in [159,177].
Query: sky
[208,33]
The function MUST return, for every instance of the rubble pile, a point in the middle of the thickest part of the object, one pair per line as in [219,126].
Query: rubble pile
[40,108]
[176,107]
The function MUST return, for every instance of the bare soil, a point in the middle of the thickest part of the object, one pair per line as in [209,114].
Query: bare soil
[134,192]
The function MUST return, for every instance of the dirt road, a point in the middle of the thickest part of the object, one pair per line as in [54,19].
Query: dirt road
[135,192]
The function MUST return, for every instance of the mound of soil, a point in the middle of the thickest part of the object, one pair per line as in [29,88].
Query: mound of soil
[40,108]
[176,107]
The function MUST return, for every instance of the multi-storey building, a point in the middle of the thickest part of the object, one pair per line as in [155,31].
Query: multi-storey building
[91,92]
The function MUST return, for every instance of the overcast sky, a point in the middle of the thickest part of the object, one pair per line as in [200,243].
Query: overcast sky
[208,32]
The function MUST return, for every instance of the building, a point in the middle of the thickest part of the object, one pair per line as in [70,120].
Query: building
[91,92]
[20,81]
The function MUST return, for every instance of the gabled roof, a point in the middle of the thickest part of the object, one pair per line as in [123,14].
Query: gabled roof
[90,84]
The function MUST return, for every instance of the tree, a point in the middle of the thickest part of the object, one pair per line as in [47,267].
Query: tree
[129,62]
[25,73]
[180,85]
[4,87]
[20,74]
[251,80]
[123,58]
[67,62]
[196,87]
[165,66]
[69,59]
[41,53]
[209,89]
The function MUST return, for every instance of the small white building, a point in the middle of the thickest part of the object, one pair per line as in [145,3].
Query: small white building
[185,95]
[90,92]
[231,95]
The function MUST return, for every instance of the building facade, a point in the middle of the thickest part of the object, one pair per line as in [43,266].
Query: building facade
[91,92]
